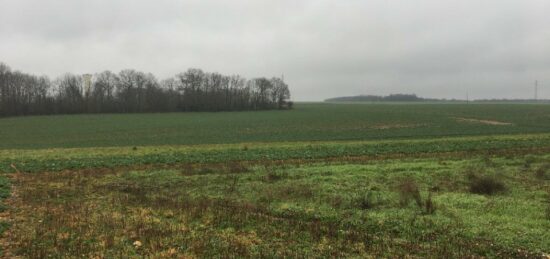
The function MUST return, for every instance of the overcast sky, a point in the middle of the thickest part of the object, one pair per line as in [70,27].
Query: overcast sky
[434,48]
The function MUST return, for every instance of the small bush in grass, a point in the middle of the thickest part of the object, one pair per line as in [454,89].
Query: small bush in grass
[272,176]
[367,201]
[408,190]
[295,191]
[207,170]
[529,160]
[232,181]
[435,188]
[429,206]
[4,226]
[236,167]
[5,187]
[336,201]
[487,185]
[541,173]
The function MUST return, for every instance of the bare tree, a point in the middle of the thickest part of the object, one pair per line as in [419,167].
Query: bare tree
[134,91]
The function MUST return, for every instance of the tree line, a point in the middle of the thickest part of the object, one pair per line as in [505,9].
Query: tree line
[377,98]
[132,91]
[415,98]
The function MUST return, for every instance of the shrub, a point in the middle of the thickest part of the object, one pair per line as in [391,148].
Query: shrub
[290,104]
[366,201]
[408,190]
[541,172]
[429,206]
[4,226]
[435,188]
[5,187]
[336,201]
[206,170]
[232,181]
[295,191]
[236,167]
[273,176]
[486,185]
[529,160]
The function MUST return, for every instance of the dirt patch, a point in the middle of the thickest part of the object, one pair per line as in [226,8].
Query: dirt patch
[396,126]
[486,122]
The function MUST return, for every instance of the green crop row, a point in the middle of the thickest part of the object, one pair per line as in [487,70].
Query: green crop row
[82,158]
[307,122]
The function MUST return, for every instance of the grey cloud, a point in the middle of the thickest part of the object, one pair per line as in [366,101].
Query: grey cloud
[325,48]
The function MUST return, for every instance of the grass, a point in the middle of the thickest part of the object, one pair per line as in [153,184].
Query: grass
[320,209]
[323,180]
[5,191]
[295,152]
[307,122]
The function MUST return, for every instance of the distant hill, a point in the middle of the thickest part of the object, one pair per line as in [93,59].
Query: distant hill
[415,98]
[512,101]
[377,98]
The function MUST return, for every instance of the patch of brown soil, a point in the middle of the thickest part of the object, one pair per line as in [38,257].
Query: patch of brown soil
[486,122]
[6,246]
[395,126]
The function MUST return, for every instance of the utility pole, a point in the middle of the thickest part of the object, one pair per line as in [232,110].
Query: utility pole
[467,97]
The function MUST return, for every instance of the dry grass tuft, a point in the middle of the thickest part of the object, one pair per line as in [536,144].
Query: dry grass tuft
[408,190]
[487,185]
[429,206]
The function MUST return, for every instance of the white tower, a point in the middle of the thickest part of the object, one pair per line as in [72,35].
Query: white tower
[87,83]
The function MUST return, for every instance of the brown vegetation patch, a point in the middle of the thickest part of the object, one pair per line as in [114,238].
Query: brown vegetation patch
[55,215]
[98,213]
[486,122]
[221,168]
[395,126]
[487,185]
[408,190]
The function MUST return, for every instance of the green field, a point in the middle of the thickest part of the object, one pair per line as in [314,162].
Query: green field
[307,122]
[323,180]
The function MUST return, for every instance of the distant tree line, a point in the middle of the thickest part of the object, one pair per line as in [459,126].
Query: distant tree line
[132,91]
[414,98]
[545,101]
[377,98]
